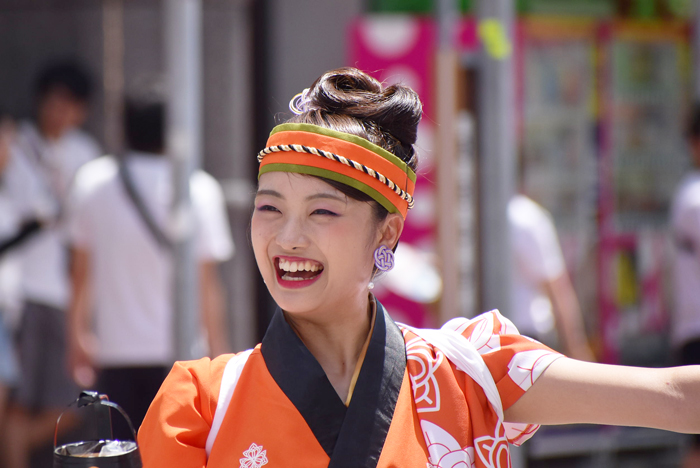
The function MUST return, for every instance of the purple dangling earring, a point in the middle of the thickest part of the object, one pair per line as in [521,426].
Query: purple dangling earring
[384,258]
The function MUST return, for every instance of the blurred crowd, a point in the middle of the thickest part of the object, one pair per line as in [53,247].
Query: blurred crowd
[86,260]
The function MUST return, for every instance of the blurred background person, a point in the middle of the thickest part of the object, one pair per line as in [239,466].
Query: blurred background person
[121,317]
[685,231]
[8,226]
[46,155]
[544,303]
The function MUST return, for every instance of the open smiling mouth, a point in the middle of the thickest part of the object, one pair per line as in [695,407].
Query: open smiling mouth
[299,270]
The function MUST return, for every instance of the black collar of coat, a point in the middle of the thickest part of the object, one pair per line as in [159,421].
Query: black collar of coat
[352,436]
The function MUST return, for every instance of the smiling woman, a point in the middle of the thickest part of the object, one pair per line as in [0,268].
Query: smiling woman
[300,220]
[335,382]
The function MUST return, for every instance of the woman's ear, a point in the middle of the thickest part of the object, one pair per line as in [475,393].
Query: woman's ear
[391,229]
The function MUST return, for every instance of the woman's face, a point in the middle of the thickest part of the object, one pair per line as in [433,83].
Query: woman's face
[312,243]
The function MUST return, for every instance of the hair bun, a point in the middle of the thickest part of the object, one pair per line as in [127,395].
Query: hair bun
[394,111]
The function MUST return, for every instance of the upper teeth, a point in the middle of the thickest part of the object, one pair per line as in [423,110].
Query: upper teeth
[291,267]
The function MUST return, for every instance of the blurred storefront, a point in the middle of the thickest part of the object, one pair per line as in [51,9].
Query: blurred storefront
[602,89]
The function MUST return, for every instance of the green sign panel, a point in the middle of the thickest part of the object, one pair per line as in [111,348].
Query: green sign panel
[594,8]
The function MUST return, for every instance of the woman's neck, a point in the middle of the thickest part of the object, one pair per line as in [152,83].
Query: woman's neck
[336,341]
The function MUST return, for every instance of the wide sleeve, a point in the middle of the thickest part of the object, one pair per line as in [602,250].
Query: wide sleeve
[514,361]
[175,429]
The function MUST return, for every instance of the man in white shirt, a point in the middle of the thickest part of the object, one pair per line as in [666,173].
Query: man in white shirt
[544,305]
[43,161]
[685,231]
[122,312]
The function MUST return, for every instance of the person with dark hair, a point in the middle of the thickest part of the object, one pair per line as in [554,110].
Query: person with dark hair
[44,159]
[335,382]
[65,76]
[121,314]
[685,231]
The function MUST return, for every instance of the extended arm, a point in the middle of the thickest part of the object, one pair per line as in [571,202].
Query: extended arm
[81,342]
[569,321]
[573,391]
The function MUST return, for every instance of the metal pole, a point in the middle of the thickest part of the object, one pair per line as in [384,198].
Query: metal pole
[696,50]
[497,149]
[184,141]
[113,73]
[497,158]
[446,67]
[447,21]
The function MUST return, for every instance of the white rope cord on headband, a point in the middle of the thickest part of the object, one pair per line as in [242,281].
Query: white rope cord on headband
[343,160]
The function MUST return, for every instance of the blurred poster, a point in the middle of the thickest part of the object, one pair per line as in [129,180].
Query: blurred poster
[643,156]
[558,146]
[649,75]
[601,110]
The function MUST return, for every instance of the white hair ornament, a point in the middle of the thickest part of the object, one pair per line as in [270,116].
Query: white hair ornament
[300,102]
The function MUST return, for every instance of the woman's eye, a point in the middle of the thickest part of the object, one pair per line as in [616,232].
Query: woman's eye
[322,211]
[266,208]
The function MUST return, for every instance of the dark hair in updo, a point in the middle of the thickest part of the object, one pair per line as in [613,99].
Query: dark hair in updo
[350,101]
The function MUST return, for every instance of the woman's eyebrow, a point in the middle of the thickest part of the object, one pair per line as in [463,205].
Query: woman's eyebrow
[331,196]
[272,193]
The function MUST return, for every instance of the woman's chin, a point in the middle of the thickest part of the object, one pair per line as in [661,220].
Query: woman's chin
[297,300]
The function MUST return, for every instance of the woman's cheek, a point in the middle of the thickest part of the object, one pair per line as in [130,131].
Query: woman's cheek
[336,239]
[258,240]
[349,246]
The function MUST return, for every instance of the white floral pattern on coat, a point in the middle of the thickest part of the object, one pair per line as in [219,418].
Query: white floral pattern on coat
[444,450]
[430,348]
[493,450]
[426,390]
[254,457]
[527,366]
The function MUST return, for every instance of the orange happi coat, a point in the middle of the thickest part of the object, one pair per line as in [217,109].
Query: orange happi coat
[423,398]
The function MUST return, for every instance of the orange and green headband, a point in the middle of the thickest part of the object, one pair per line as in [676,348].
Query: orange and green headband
[349,159]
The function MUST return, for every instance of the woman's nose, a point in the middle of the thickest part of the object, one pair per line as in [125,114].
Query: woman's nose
[292,235]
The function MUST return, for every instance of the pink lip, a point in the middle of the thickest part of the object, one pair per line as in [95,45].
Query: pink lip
[293,284]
